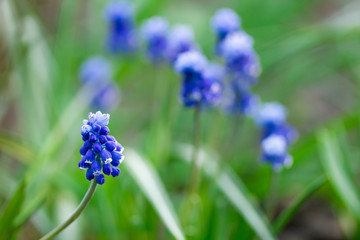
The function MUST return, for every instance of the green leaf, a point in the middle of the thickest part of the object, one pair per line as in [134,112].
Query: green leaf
[11,210]
[289,212]
[14,149]
[337,172]
[233,189]
[153,188]
[31,207]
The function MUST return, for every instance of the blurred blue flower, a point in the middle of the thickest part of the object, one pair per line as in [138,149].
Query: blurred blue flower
[236,102]
[213,85]
[274,151]
[240,58]
[271,115]
[108,97]
[101,153]
[191,65]
[97,72]
[180,40]
[224,22]
[95,69]
[202,82]
[121,34]
[155,32]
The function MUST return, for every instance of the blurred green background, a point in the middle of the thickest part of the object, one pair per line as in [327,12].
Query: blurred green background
[310,55]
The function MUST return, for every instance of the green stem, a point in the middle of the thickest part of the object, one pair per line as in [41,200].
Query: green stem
[191,207]
[272,194]
[75,214]
[194,177]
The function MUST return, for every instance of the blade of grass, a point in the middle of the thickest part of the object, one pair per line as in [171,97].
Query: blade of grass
[153,188]
[233,189]
[336,171]
[289,212]
[11,210]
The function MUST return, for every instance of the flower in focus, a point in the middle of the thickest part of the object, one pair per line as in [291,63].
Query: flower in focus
[154,32]
[101,153]
[96,71]
[224,22]
[180,40]
[121,34]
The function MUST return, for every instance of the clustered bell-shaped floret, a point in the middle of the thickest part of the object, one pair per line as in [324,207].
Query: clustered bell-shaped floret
[121,35]
[180,40]
[277,135]
[101,153]
[224,22]
[274,150]
[154,32]
[96,73]
[201,85]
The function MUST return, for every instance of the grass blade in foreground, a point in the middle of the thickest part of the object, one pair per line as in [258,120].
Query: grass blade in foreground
[287,214]
[11,210]
[233,189]
[150,183]
[337,173]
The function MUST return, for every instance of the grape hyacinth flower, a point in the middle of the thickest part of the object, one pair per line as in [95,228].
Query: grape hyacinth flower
[237,104]
[155,32]
[108,97]
[180,40]
[96,71]
[121,36]
[243,69]
[213,84]
[240,58]
[274,151]
[202,82]
[224,22]
[101,153]
[276,133]
[191,66]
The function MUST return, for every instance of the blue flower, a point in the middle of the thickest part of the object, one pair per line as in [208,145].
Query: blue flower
[240,58]
[180,40]
[190,63]
[101,153]
[213,85]
[202,82]
[224,22]
[274,151]
[277,135]
[96,71]
[108,97]
[271,115]
[236,102]
[121,35]
[191,66]
[155,31]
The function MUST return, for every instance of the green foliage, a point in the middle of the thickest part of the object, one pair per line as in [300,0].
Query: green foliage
[310,57]
[10,212]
